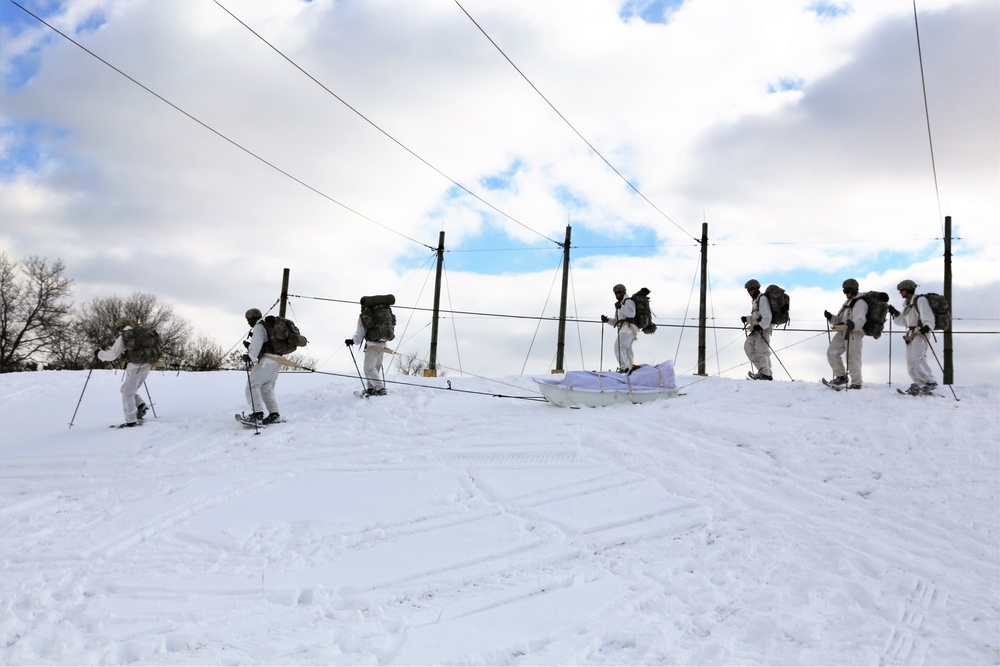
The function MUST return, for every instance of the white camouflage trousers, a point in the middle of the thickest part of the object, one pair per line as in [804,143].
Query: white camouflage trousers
[916,360]
[135,375]
[373,365]
[758,349]
[260,388]
[851,347]
[627,334]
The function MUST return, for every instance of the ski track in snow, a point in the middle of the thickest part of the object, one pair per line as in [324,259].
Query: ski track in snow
[742,522]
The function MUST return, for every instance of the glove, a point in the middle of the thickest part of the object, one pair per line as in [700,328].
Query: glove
[348,342]
[246,344]
[893,311]
[926,329]
[850,325]
[743,319]
[757,328]
[604,318]
[828,314]
[246,359]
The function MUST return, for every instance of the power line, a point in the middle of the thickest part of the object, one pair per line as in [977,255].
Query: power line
[213,130]
[570,125]
[386,134]
[927,113]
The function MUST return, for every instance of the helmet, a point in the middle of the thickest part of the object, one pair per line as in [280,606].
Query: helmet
[254,314]
[618,288]
[121,323]
[752,284]
[908,285]
[851,284]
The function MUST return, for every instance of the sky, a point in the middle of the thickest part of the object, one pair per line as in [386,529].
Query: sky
[195,150]
[399,531]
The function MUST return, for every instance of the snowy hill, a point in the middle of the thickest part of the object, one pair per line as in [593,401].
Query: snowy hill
[742,522]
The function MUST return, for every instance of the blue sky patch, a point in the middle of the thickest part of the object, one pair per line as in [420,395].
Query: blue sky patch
[784,86]
[829,10]
[493,252]
[649,11]
[502,180]
[885,261]
[13,22]
[26,146]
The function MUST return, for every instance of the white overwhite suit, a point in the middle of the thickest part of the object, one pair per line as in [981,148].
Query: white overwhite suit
[916,312]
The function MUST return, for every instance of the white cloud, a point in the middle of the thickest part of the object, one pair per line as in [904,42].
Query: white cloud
[134,195]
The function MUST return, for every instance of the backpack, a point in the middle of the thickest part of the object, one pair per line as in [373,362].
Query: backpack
[878,310]
[643,319]
[377,317]
[939,306]
[142,344]
[283,336]
[779,301]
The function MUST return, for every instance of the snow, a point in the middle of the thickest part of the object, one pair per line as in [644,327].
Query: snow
[738,523]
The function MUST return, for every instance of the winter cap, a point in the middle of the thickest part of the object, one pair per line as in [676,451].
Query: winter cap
[851,284]
[254,314]
[908,285]
[618,288]
[121,323]
[752,284]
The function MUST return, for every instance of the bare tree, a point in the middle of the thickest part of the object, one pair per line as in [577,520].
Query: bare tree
[96,322]
[34,304]
[410,364]
[203,354]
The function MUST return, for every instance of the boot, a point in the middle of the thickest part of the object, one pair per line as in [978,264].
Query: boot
[271,418]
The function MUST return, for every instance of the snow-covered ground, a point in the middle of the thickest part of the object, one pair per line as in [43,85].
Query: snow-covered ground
[739,523]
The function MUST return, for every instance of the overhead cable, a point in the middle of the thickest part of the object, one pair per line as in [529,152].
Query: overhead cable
[927,114]
[374,125]
[570,125]
[214,131]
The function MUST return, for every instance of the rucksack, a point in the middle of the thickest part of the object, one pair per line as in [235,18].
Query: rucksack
[142,344]
[939,306]
[779,301]
[283,335]
[643,319]
[377,317]
[878,310]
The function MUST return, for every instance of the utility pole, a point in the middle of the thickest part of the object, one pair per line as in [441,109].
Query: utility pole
[948,370]
[284,293]
[703,299]
[561,341]
[432,364]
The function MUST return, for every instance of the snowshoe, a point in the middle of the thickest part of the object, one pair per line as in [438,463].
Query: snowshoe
[255,420]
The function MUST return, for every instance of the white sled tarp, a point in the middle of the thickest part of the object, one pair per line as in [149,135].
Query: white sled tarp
[597,389]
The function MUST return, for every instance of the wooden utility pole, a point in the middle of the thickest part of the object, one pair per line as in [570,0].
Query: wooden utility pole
[948,371]
[703,299]
[561,341]
[432,364]
[284,293]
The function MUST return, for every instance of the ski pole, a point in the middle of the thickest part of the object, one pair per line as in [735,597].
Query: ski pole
[81,397]
[768,343]
[253,406]
[890,351]
[938,363]
[354,359]
[152,406]
[600,364]
[847,353]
